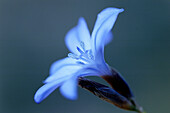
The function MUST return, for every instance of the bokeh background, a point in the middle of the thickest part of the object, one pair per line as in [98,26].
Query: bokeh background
[32,37]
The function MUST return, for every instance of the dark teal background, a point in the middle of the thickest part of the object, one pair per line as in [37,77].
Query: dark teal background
[32,37]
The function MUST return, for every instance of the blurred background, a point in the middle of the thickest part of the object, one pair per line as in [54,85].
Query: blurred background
[32,37]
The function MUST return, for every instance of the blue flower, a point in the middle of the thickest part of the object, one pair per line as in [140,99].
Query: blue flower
[86,57]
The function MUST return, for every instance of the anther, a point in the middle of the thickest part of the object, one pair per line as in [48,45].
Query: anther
[80,50]
[82,45]
[71,55]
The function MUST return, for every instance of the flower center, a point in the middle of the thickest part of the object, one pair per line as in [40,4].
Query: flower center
[85,55]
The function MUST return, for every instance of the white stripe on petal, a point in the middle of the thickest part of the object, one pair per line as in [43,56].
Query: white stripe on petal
[65,71]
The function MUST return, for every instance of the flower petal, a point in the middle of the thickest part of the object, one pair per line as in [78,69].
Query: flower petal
[65,71]
[100,52]
[61,63]
[90,70]
[108,38]
[78,34]
[94,70]
[69,88]
[84,33]
[47,89]
[104,23]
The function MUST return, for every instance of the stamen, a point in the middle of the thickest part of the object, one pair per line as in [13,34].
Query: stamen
[80,50]
[79,62]
[82,45]
[85,55]
[89,54]
[71,55]
[84,58]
